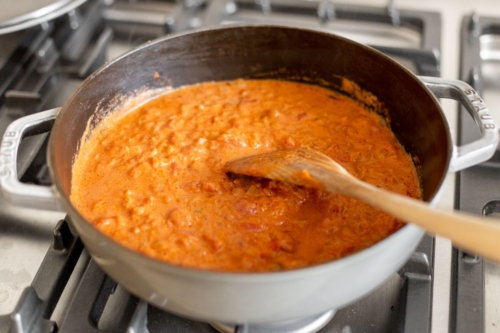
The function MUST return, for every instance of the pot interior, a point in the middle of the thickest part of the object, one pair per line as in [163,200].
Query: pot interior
[260,52]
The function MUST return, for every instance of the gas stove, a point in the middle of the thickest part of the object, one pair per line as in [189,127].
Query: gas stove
[49,283]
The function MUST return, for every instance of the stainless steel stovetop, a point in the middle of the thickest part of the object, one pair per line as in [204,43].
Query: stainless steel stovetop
[47,280]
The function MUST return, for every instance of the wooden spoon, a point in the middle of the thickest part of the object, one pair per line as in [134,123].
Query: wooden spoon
[307,167]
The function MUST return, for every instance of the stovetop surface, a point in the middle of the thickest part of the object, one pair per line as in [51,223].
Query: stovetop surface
[25,235]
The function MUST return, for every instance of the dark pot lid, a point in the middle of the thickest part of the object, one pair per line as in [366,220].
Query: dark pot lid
[25,14]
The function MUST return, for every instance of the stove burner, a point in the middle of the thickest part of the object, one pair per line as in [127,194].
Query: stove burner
[421,56]
[305,325]
[70,293]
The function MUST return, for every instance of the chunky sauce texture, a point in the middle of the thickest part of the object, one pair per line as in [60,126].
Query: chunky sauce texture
[153,179]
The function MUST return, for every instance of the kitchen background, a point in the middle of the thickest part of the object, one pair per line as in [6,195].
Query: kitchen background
[462,298]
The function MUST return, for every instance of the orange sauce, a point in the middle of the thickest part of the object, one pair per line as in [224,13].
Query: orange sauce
[154,179]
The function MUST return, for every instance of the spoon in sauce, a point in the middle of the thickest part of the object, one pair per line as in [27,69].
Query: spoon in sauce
[307,167]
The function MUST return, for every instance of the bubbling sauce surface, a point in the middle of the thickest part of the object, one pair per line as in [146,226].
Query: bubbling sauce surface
[153,179]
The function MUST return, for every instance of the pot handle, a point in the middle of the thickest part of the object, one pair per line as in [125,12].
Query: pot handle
[20,194]
[477,151]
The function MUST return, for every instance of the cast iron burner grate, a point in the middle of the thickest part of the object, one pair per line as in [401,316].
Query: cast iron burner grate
[325,15]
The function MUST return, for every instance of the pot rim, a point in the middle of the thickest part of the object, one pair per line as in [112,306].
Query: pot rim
[298,273]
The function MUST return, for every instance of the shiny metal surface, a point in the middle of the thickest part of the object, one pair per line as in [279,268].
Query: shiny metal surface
[490,71]
[489,48]
[482,149]
[23,244]
[29,10]
[305,325]
[366,32]
[26,14]
[14,191]
[477,280]
[26,234]
[399,33]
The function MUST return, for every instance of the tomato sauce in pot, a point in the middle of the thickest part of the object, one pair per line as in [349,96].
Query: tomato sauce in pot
[153,179]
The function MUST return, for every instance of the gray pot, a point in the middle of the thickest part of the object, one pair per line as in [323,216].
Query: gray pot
[253,52]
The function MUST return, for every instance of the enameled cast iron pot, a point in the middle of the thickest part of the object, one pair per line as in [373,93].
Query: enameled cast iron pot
[253,52]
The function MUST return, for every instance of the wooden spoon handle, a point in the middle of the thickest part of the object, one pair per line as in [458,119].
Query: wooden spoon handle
[472,233]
